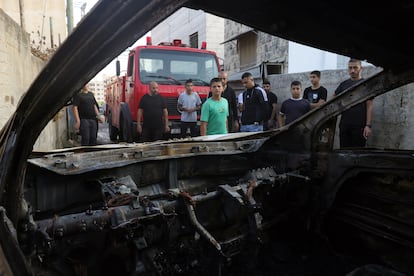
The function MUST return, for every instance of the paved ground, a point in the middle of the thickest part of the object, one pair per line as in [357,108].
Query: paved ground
[102,139]
[103,134]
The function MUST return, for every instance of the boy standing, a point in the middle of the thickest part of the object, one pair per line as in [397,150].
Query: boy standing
[294,107]
[214,111]
[254,107]
[315,94]
[189,103]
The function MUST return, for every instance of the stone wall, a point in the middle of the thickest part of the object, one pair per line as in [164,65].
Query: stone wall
[269,48]
[18,68]
[43,20]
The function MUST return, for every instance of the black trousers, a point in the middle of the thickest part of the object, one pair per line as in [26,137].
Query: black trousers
[188,125]
[88,131]
[351,136]
[151,134]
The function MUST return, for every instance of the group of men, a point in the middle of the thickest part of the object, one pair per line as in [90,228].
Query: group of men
[313,96]
[255,109]
[214,112]
[220,112]
[355,124]
[257,106]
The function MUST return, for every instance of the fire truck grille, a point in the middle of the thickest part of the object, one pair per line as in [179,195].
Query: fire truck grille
[172,107]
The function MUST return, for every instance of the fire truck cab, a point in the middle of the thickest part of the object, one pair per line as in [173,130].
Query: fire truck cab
[170,64]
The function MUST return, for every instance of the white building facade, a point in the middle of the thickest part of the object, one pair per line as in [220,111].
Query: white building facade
[97,87]
[304,58]
[192,27]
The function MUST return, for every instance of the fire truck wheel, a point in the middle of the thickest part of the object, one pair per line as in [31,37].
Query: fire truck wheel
[125,125]
[113,131]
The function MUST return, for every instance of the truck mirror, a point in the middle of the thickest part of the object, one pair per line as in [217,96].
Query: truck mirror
[118,68]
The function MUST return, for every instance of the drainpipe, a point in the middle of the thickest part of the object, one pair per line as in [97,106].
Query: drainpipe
[69,114]
[52,46]
[22,22]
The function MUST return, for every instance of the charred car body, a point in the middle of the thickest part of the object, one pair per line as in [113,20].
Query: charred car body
[282,201]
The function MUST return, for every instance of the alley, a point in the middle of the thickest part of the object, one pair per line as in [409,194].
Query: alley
[103,134]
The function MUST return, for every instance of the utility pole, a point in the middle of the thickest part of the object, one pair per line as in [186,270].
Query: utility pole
[83,8]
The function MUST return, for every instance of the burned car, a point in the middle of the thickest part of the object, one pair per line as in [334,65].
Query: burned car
[280,202]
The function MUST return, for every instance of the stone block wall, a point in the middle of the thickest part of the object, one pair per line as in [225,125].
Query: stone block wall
[45,21]
[269,48]
[18,69]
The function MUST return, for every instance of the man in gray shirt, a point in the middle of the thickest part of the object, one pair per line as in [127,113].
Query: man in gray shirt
[189,103]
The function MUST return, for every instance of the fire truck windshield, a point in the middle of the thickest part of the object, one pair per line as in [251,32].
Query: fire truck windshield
[176,66]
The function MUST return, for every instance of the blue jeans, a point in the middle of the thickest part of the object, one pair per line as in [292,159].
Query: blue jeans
[251,128]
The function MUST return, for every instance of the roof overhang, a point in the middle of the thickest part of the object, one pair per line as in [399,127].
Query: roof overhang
[237,36]
[256,71]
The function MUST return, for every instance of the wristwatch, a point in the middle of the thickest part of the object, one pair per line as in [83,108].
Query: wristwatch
[370,126]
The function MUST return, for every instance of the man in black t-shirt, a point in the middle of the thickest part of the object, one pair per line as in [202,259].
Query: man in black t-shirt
[355,125]
[86,112]
[230,96]
[153,109]
[295,107]
[270,122]
[315,94]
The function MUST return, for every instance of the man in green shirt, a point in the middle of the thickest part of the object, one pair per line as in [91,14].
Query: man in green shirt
[214,111]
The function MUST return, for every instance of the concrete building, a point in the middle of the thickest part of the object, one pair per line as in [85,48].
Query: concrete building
[248,49]
[98,89]
[192,27]
[243,48]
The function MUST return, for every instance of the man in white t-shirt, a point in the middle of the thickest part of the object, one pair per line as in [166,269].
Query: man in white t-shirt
[189,103]
[240,105]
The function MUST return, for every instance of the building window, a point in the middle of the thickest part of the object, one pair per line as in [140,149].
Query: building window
[131,63]
[274,68]
[247,48]
[194,40]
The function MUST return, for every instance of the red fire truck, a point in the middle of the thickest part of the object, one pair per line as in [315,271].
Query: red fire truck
[170,64]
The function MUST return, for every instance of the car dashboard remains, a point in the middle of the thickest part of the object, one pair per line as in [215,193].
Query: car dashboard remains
[143,211]
[161,218]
